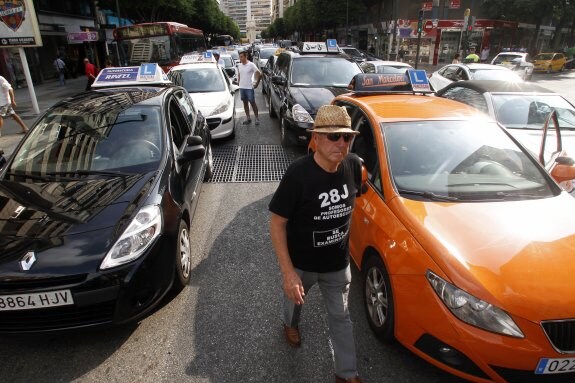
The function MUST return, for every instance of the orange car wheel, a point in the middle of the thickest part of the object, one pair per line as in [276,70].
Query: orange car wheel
[378,298]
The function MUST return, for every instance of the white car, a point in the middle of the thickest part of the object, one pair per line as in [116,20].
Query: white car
[472,71]
[381,66]
[520,62]
[212,92]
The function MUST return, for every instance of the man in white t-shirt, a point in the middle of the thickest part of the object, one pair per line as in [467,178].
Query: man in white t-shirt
[246,71]
[7,105]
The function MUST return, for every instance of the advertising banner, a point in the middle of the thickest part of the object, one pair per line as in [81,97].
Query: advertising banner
[18,24]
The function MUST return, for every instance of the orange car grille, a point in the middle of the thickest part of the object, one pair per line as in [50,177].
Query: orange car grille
[561,334]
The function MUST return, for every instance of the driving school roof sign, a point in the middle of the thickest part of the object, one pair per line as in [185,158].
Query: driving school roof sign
[18,24]
[145,74]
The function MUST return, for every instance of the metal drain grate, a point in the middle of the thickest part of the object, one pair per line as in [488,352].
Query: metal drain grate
[249,163]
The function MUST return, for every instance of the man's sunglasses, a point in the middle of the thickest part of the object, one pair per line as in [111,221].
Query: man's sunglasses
[336,136]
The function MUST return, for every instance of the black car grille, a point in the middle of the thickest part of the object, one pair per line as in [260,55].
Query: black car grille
[521,376]
[561,334]
[29,284]
[56,318]
[213,122]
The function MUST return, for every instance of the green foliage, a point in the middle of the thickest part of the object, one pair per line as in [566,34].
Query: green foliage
[316,16]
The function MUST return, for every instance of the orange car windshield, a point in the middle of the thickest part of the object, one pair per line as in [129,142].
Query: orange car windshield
[463,161]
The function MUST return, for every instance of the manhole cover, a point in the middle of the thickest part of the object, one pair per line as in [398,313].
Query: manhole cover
[249,163]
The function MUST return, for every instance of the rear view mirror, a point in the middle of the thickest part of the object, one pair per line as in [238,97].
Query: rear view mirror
[562,173]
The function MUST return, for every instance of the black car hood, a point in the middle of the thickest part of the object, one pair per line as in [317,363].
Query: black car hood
[312,98]
[66,217]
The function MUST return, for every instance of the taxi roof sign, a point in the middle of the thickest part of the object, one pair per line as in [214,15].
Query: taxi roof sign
[145,74]
[330,46]
[412,81]
[198,58]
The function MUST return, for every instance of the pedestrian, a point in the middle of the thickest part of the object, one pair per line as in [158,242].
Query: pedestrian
[7,105]
[485,54]
[60,67]
[219,60]
[309,227]
[246,71]
[109,63]
[90,70]
[456,59]
[473,57]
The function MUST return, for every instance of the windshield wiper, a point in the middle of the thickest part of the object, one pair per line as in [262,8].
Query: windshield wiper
[428,195]
[107,173]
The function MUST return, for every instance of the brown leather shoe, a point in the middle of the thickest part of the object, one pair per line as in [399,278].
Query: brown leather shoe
[292,336]
[348,380]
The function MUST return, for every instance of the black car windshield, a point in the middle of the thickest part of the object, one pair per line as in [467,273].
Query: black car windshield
[61,143]
[352,52]
[323,71]
[463,161]
[200,80]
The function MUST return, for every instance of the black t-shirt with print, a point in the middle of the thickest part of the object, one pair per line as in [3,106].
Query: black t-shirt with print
[318,206]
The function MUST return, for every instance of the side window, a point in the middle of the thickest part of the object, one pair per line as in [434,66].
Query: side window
[178,124]
[187,106]
[364,143]
[467,96]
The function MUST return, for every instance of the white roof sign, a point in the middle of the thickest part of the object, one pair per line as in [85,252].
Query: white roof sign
[145,74]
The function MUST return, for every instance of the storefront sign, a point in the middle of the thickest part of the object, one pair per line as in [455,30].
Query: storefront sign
[454,4]
[18,24]
[80,37]
[427,6]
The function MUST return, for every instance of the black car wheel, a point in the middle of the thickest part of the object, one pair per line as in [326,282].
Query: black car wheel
[273,113]
[210,164]
[183,257]
[378,298]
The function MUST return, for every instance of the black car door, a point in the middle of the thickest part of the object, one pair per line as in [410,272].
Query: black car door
[277,94]
[187,173]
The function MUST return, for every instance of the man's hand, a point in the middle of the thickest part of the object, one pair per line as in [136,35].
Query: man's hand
[293,288]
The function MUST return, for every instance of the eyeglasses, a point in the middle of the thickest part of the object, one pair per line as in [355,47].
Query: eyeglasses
[336,136]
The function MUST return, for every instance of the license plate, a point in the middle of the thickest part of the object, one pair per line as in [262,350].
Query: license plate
[36,300]
[555,365]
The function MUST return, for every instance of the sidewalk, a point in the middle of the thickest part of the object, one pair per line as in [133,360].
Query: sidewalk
[47,94]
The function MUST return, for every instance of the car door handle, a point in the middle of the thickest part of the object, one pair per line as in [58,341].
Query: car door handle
[365,220]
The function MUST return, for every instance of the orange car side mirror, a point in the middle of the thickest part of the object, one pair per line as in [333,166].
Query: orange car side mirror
[564,170]
[364,178]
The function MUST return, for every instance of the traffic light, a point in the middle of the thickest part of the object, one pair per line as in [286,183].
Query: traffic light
[471,23]
[420,21]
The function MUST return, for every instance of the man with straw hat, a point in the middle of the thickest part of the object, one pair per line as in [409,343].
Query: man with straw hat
[309,227]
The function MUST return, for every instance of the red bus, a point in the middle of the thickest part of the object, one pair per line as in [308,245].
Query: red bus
[161,42]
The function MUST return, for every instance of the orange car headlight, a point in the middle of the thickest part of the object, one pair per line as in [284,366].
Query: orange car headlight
[472,310]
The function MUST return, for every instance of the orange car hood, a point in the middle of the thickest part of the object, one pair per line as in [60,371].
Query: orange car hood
[518,255]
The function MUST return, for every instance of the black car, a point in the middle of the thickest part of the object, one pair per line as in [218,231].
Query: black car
[97,201]
[302,82]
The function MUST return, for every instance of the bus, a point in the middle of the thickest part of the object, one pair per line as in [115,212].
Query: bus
[160,42]
[222,41]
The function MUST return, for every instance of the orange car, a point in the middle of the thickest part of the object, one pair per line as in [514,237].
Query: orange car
[465,243]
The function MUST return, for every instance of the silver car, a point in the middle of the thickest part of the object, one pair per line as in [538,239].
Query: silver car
[460,72]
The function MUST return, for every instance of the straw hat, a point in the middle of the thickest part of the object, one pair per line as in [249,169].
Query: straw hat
[332,119]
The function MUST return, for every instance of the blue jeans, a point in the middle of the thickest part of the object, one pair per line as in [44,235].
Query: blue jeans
[334,289]
[61,77]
